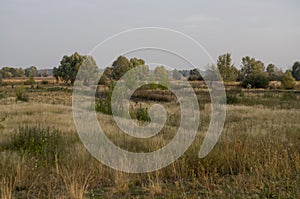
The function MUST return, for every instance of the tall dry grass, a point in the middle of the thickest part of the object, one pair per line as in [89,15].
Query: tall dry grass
[257,156]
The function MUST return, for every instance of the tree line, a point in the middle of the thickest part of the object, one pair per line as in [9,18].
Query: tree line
[252,73]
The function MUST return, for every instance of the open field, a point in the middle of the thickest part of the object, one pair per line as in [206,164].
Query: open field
[257,156]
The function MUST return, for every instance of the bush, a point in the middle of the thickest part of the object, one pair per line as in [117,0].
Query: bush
[1,96]
[142,115]
[288,82]
[44,144]
[21,95]
[256,81]
[194,78]
[232,99]
[103,105]
[44,82]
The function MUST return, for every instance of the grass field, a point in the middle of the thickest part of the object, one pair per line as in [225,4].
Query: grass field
[257,156]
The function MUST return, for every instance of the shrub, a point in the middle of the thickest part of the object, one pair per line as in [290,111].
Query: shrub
[142,115]
[288,82]
[193,78]
[232,99]
[44,82]
[103,104]
[21,95]
[256,81]
[44,144]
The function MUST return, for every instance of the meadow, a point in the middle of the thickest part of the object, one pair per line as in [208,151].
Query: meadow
[257,155]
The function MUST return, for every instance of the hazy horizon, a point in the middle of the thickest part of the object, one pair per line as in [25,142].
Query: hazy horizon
[40,33]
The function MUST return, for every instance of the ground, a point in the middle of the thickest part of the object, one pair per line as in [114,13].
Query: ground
[257,156]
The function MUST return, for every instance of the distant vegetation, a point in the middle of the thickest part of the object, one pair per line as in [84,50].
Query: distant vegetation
[252,73]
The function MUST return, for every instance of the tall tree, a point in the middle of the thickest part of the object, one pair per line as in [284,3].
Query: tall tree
[69,66]
[227,70]
[120,67]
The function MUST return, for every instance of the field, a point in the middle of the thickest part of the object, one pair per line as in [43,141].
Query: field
[257,156]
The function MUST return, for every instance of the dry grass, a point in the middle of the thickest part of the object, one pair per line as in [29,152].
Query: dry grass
[257,156]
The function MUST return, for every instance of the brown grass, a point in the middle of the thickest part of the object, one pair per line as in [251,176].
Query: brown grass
[257,156]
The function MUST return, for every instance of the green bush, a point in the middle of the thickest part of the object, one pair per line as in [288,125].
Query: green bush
[255,81]
[21,95]
[44,144]
[142,115]
[1,96]
[103,105]
[232,99]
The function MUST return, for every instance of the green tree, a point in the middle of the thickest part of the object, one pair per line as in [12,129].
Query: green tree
[31,71]
[195,75]
[176,75]
[296,70]
[288,81]
[252,73]
[227,70]
[69,66]
[162,75]
[274,74]
[31,77]
[89,70]
[120,67]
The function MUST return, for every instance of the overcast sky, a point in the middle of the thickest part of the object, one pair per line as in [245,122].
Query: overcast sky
[36,32]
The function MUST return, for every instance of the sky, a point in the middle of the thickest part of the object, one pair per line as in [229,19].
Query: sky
[39,33]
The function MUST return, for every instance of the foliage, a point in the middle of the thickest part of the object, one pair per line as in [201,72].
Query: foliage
[142,115]
[44,144]
[274,74]
[176,75]
[252,73]
[122,65]
[255,81]
[31,71]
[69,66]
[20,94]
[10,72]
[288,82]
[227,70]
[195,75]
[212,74]
[103,104]
[161,75]
[296,71]
[232,99]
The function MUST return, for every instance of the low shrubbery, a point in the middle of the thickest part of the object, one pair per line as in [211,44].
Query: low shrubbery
[44,144]
[21,95]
